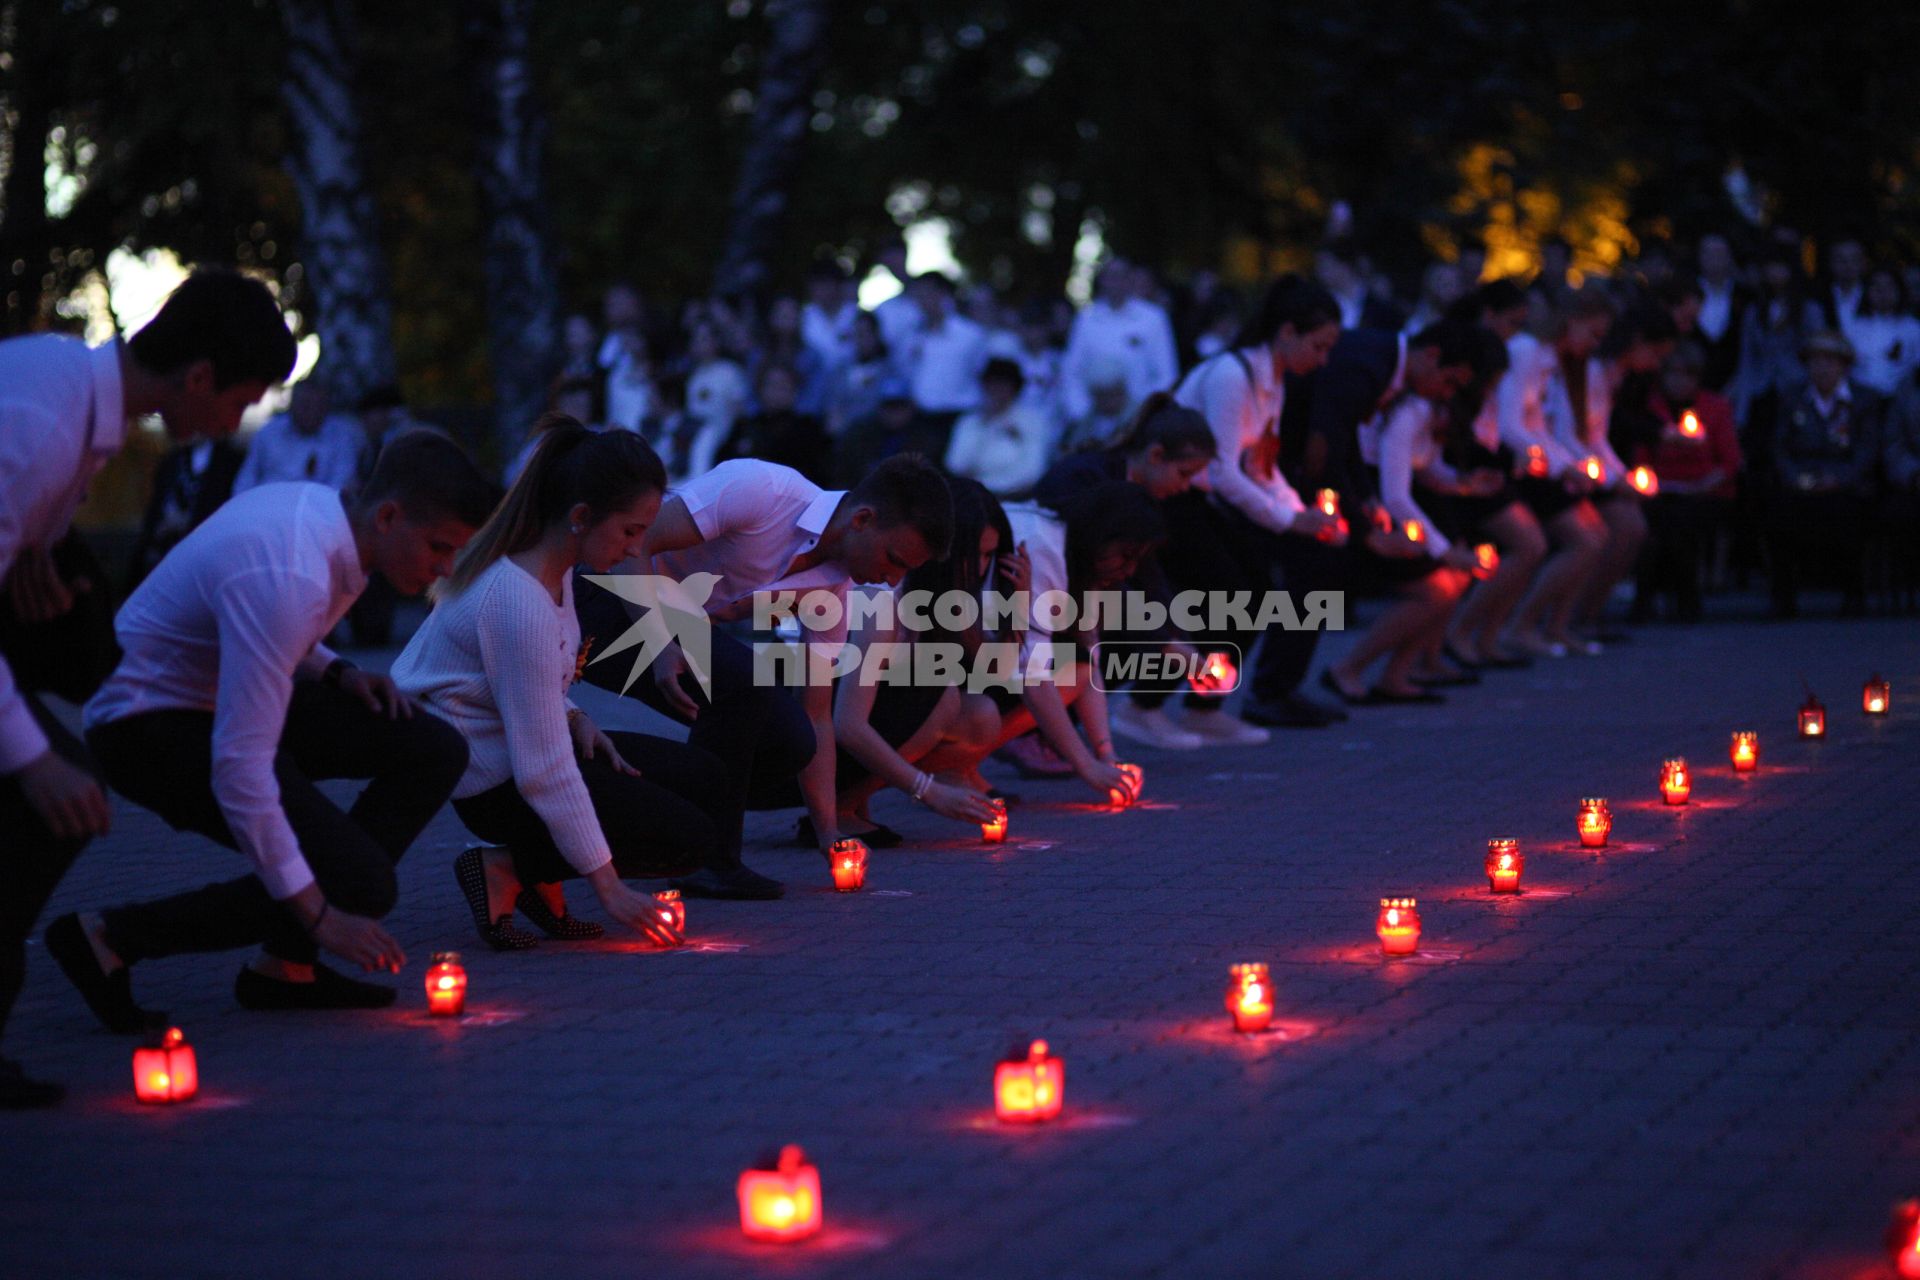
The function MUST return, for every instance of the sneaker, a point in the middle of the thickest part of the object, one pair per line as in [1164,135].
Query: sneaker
[1151,726]
[1034,758]
[1218,728]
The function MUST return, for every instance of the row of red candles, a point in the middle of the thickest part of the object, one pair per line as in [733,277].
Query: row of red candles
[779,1198]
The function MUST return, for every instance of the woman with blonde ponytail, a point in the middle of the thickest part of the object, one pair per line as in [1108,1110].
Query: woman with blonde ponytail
[557,797]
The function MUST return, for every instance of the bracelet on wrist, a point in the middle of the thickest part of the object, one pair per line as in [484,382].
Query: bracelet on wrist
[921,781]
[315,926]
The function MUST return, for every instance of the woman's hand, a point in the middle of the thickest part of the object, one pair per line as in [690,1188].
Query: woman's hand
[667,670]
[962,804]
[1014,569]
[639,912]
[589,741]
[1105,778]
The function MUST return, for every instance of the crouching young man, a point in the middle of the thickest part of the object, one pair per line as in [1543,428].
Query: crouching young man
[226,710]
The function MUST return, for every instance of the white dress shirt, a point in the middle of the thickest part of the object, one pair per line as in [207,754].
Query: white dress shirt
[1136,333]
[1401,446]
[223,624]
[716,396]
[1007,452]
[755,518]
[495,662]
[829,333]
[62,416]
[278,453]
[943,365]
[1582,430]
[1886,349]
[1240,398]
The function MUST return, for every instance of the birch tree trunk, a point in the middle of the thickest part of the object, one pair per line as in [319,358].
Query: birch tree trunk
[790,68]
[340,234]
[523,286]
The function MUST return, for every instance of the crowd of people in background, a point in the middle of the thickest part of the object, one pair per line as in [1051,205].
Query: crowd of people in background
[1516,470]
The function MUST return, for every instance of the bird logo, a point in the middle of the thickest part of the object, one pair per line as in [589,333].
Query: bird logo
[665,611]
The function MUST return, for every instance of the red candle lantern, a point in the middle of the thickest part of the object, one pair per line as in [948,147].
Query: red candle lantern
[164,1069]
[1029,1085]
[1813,719]
[1328,500]
[673,909]
[1903,1240]
[1121,797]
[995,831]
[848,858]
[1504,864]
[1537,465]
[1676,784]
[1250,998]
[780,1198]
[1416,532]
[1876,697]
[446,985]
[1745,751]
[1398,926]
[1644,482]
[1216,674]
[1486,558]
[1690,425]
[1595,822]
[1593,470]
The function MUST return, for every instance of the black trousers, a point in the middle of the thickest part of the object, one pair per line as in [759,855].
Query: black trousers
[1304,564]
[1818,532]
[674,817]
[761,735]
[1201,554]
[163,761]
[68,656]
[1681,527]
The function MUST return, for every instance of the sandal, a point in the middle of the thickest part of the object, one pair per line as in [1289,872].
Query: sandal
[502,934]
[567,927]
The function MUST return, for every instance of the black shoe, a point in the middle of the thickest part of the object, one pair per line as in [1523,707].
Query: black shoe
[568,928]
[736,883]
[1513,662]
[1290,712]
[1460,678]
[1332,686]
[502,934]
[1378,697]
[1465,664]
[20,1092]
[881,837]
[328,990]
[109,995]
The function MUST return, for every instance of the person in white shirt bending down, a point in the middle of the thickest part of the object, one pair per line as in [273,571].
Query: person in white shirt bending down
[214,348]
[227,710]
[556,797]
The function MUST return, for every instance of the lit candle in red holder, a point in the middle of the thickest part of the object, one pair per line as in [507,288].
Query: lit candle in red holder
[1745,751]
[1029,1085]
[1876,697]
[1398,926]
[1537,465]
[446,985]
[164,1069]
[1136,777]
[1813,719]
[780,1198]
[673,909]
[995,832]
[848,859]
[1416,532]
[1486,558]
[1328,500]
[1690,425]
[1595,822]
[1504,864]
[1250,998]
[1644,482]
[1215,674]
[1593,470]
[1903,1240]
[1676,784]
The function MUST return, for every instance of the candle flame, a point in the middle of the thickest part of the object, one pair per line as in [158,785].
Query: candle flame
[1689,423]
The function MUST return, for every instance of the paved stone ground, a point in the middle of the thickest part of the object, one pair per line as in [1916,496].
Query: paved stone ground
[1695,1057]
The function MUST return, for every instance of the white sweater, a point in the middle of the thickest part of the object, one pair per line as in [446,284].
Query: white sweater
[495,662]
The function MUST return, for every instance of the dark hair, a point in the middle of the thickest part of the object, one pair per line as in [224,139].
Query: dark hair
[907,489]
[1642,322]
[1899,289]
[607,470]
[1289,300]
[1106,514]
[1457,342]
[1689,356]
[223,317]
[975,510]
[1006,371]
[431,477]
[1179,431]
[1504,294]
[1679,289]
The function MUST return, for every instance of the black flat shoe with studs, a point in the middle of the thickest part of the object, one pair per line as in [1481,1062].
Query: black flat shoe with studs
[567,928]
[502,934]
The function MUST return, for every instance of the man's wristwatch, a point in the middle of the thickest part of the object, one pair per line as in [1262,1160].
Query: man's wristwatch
[335,669]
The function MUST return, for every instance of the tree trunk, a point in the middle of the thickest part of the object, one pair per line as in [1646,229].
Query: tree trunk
[795,55]
[523,287]
[24,239]
[340,233]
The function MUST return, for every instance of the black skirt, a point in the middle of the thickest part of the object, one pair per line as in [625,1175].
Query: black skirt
[1546,497]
